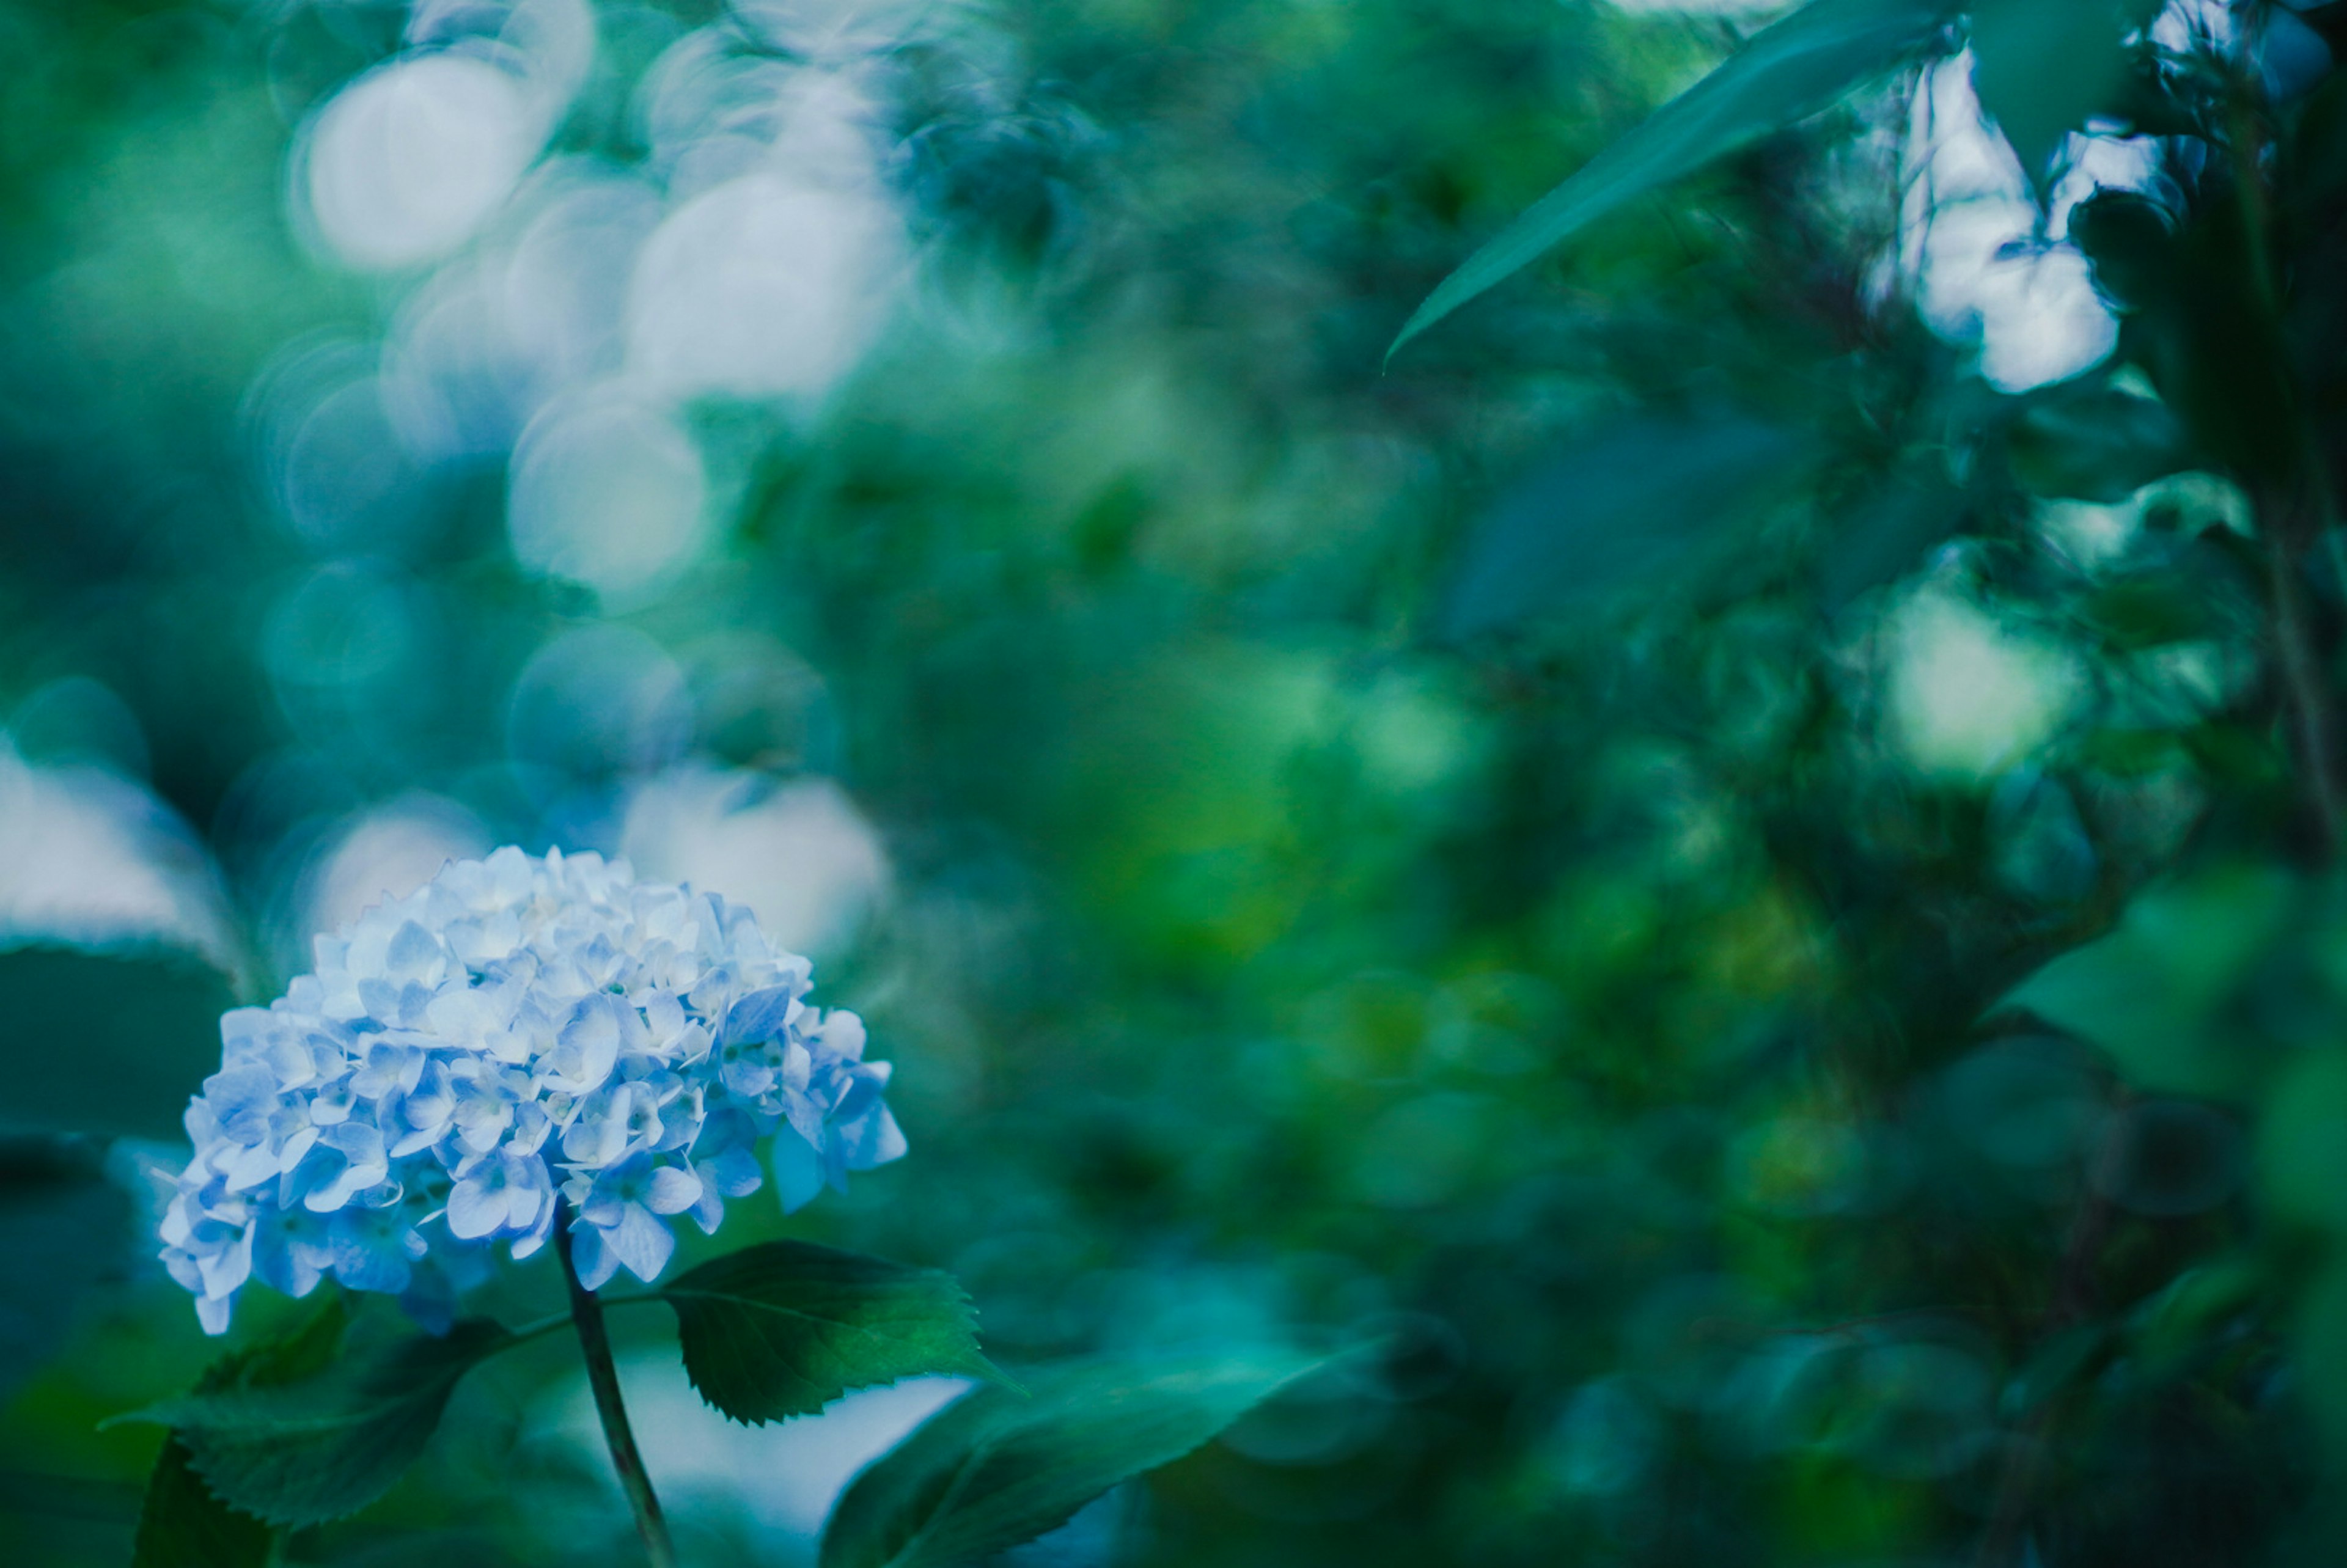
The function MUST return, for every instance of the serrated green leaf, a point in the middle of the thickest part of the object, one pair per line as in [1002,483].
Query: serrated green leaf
[995,1468]
[304,1453]
[133,1061]
[784,1329]
[1788,71]
[182,1524]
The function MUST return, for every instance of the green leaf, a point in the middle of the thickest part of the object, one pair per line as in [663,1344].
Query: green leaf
[2043,67]
[1887,533]
[994,1468]
[304,1453]
[784,1329]
[2096,444]
[64,1229]
[2154,994]
[2302,1159]
[1636,498]
[111,1042]
[183,1524]
[1788,71]
[2053,1368]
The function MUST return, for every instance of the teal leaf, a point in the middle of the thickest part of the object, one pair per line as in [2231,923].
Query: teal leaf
[1788,71]
[183,1523]
[2052,1369]
[784,1329]
[995,1468]
[65,1230]
[1635,498]
[304,1453]
[1887,533]
[2043,67]
[2156,994]
[110,1041]
[2095,443]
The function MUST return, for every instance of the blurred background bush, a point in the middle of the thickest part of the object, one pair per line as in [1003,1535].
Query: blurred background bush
[1509,853]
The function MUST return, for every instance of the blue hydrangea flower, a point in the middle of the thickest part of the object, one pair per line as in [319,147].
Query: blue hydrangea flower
[519,1038]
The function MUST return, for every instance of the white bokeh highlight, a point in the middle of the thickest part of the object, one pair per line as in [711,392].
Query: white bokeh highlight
[89,858]
[760,288]
[1971,693]
[407,162]
[610,492]
[799,855]
[782,1479]
[386,853]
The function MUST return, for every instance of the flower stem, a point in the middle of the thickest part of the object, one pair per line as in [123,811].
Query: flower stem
[603,1377]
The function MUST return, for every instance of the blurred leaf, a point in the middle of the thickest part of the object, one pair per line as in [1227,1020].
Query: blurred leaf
[2042,67]
[785,1328]
[2145,613]
[308,1452]
[1624,504]
[2191,1310]
[2056,1364]
[62,1229]
[2153,993]
[2301,1157]
[2197,317]
[2098,445]
[74,1497]
[183,1524]
[2320,1362]
[1888,534]
[2130,240]
[995,1468]
[112,1041]
[1788,71]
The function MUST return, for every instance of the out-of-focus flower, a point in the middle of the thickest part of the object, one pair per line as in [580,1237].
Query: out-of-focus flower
[518,1038]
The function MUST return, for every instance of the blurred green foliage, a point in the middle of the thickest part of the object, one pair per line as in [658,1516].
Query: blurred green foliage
[1756,907]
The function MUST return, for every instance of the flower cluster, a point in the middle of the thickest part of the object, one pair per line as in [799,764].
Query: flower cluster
[517,1031]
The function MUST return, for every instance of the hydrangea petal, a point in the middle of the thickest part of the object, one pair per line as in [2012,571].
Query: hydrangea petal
[389,1119]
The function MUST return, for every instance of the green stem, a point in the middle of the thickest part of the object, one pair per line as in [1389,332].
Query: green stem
[603,1377]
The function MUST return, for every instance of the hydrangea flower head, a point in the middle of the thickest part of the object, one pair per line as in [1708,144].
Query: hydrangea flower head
[520,1039]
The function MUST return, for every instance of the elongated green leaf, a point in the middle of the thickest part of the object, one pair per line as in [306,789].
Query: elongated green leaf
[183,1523]
[995,1468]
[784,1329]
[111,1042]
[1635,497]
[304,1453]
[1788,71]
